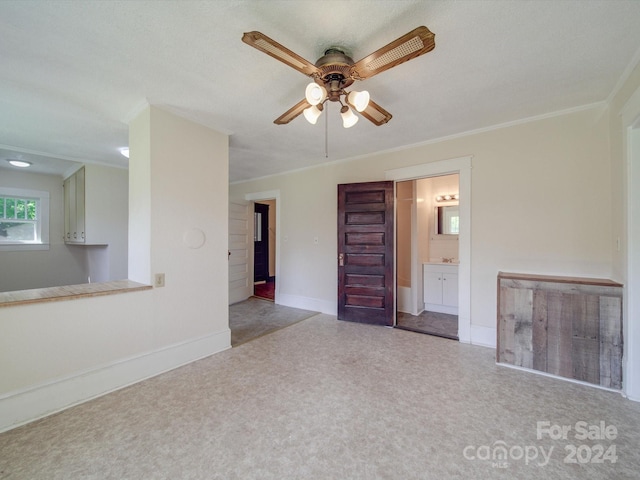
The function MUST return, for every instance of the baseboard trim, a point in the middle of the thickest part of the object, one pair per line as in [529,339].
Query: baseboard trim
[307,303]
[483,336]
[433,307]
[24,406]
[565,379]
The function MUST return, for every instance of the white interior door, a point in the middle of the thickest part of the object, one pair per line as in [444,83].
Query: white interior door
[240,255]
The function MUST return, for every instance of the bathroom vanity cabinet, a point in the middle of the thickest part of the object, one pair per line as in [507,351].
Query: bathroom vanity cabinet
[440,283]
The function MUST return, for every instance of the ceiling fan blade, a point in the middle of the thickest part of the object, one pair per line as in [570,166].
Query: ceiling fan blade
[376,114]
[415,43]
[292,113]
[277,51]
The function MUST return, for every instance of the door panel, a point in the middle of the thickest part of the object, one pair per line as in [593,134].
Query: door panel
[240,287]
[365,253]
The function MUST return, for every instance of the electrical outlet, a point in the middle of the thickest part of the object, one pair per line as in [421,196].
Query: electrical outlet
[159,280]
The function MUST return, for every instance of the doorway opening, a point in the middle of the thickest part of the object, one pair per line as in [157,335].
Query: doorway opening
[427,255]
[462,167]
[264,251]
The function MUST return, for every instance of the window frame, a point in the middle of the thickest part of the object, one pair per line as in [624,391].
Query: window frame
[42,220]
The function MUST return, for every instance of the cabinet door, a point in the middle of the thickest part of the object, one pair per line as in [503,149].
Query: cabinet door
[80,206]
[67,210]
[433,287]
[450,289]
[70,194]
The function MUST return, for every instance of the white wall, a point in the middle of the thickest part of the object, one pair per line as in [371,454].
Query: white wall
[57,354]
[541,202]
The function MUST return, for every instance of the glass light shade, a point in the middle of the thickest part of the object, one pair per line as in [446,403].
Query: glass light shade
[311,114]
[349,119]
[125,151]
[359,100]
[315,93]
[19,163]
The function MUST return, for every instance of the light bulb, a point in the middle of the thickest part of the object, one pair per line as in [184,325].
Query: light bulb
[447,197]
[315,93]
[359,100]
[349,119]
[19,163]
[311,114]
[439,198]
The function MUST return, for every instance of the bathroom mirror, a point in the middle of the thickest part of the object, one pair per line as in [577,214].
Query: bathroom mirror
[447,220]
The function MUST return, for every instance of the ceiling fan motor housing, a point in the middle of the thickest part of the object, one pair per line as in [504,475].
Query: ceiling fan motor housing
[334,68]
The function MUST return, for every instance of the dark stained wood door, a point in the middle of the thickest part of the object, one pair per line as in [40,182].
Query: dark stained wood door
[365,253]
[261,243]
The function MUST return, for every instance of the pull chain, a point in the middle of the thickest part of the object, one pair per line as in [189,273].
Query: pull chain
[326,133]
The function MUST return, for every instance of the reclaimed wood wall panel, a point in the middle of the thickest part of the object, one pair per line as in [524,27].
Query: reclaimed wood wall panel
[570,327]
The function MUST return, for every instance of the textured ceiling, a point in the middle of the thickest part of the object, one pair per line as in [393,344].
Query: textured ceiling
[74,73]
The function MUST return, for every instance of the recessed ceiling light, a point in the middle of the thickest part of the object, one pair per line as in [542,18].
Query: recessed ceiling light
[125,151]
[19,163]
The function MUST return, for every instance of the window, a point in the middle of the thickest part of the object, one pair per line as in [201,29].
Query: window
[24,219]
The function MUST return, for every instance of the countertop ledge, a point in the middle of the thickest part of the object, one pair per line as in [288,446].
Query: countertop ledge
[69,292]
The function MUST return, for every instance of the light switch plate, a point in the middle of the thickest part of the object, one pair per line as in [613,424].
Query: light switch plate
[159,280]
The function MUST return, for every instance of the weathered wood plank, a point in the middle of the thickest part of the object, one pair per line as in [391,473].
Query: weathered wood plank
[558,279]
[523,319]
[570,307]
[585,352]
[506,326]
[611,342]
[564,287]
[539,330]
[554,320]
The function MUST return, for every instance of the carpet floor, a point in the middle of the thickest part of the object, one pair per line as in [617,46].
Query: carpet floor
[325,399]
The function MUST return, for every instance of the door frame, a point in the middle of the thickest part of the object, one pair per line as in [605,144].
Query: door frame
[257,197]
[630,116]
[461,166]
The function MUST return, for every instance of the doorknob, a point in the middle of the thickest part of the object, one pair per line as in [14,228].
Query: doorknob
[341,260]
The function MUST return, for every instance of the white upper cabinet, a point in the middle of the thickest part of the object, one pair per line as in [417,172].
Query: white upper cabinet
[95,205]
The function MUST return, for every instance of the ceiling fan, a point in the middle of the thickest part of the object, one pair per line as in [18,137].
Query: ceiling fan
[335,71]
